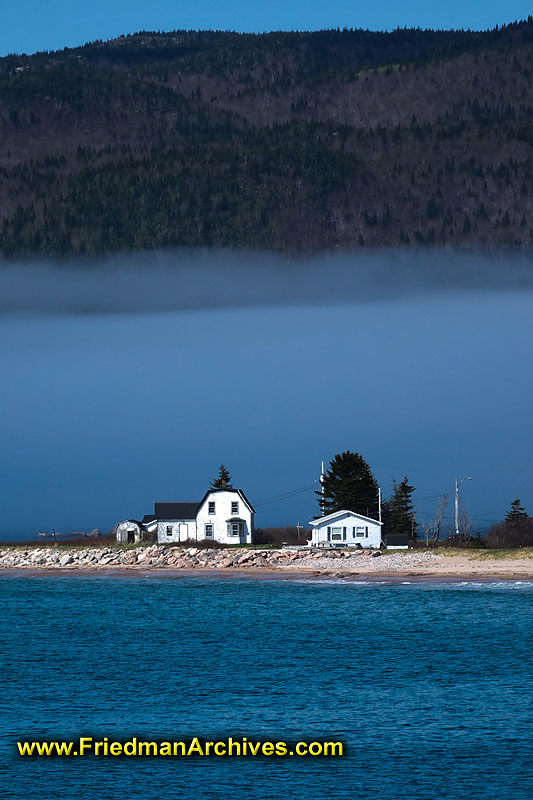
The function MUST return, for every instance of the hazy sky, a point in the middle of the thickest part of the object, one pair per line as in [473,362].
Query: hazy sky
[101,414]
[30,25]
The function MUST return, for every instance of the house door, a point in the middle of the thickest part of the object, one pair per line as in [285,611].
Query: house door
[184,531]
[131,537]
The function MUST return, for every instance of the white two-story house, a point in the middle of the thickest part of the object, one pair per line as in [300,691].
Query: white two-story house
[223,515]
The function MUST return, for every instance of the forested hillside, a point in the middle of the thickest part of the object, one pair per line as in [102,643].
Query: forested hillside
[295,142]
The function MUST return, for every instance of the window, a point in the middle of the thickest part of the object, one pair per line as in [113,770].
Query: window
[209,531]
[234,507]
[169,530]
[235,528]
[336,534]
[211,508]
[360,531]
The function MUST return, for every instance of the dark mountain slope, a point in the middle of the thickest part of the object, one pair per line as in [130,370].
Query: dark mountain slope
[287,141]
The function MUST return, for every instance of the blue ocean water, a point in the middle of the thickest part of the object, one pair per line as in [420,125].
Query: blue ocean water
[428,685]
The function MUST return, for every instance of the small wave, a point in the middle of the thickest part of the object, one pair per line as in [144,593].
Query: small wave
[423,583]
[490,584]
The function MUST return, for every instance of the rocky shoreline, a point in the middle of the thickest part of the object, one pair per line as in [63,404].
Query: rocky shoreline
[160,557]
[166,560]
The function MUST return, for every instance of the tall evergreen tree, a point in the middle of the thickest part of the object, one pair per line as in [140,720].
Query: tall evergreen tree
[516,513]
[223,480]
[349,484]
[400,514]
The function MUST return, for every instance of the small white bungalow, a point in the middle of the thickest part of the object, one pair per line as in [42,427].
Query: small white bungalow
[345,529]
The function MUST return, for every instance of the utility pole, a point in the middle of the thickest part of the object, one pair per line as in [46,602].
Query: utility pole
[457,485]
[322,473]
[299,528]
[456,507]
[379,504]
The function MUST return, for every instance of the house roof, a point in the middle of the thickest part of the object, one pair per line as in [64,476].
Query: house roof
[176,510]
[148,518]
[228,489]
[331,517]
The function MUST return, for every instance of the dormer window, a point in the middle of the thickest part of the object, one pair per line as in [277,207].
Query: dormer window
[211,507]
[235,507]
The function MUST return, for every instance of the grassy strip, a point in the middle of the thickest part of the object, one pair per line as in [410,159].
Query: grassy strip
[509,554]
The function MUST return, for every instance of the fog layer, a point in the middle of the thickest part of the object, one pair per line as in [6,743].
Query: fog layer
[180,280]
[101,414]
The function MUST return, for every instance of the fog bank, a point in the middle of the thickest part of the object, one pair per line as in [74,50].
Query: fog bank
[206,279]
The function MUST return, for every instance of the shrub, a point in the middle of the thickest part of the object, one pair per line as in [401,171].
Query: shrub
[511,534]
[201,544]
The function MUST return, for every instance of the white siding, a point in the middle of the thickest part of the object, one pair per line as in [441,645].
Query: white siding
[180,530]
[346,530]
[220,520]
[223,513]
[126,529]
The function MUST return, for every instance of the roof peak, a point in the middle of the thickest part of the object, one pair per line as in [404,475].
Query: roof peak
[344,511]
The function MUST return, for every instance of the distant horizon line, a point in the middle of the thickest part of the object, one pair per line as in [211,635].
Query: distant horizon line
[160,32]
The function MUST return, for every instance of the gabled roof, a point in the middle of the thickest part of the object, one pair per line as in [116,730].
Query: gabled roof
[331,517]
[228,489]
[176,510]
[148,518]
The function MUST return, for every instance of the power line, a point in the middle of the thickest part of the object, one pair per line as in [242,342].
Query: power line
[427,515]
[301,490]
[286,496]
